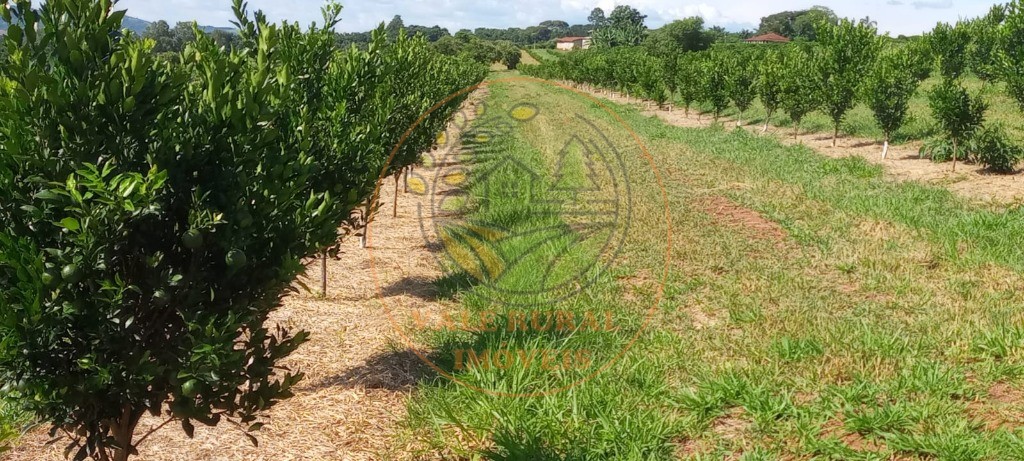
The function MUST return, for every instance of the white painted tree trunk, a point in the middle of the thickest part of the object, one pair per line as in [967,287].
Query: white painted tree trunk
[885,149]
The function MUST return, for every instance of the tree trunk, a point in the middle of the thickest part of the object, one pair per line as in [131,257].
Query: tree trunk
[954,155]
[885,148]
[364,240]
[835,134]
[408,172]
[323,274]
[796,129]
[123,432]
[394,211]
[767,118]
[739,120]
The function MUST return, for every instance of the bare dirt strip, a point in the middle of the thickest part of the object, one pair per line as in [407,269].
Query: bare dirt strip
[904,163]
[359,371]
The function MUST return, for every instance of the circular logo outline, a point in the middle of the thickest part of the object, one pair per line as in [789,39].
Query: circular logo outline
[660,289]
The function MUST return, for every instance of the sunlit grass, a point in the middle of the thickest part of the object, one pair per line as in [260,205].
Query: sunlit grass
[886,324]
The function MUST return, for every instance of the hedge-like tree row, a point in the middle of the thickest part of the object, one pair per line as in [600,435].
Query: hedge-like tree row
[154,212]
[848,62]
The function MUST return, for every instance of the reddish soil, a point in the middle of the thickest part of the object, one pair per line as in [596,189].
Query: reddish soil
[727,212]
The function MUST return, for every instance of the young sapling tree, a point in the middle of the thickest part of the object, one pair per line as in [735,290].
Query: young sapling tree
[740,77]
[770,75]
[688,81]
[799,93]
[844,53]
[1011,67]
[959,114]
[715,87]
[887,89]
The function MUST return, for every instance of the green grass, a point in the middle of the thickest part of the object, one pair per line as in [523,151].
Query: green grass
[545,55]
[12,422]
[921,125]
[538,427]
[882,326]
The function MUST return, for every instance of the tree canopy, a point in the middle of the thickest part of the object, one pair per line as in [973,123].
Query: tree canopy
[797,24]
[680,35]
[624,27]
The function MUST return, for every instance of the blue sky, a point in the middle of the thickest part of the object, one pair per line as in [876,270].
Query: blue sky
[894,16]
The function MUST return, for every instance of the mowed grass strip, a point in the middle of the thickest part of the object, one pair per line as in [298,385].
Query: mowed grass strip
[883,322]
[507,403]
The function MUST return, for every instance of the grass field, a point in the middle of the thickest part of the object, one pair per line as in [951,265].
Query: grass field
[813,310]
[921,125]
[543,54]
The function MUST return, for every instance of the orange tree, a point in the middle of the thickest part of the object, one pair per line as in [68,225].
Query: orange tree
[153,215]
[1012,40]
[844,52]
[688,80]
[740,78]
[888,87]
[770,75]
[714,89]
[959,113]
[800,94]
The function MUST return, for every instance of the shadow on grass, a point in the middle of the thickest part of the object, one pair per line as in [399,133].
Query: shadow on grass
[452,285]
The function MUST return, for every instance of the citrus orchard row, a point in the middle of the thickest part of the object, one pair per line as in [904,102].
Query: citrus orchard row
[155,210]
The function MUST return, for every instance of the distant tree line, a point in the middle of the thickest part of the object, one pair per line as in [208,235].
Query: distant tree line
[625,27]
[542,34]
[173,40]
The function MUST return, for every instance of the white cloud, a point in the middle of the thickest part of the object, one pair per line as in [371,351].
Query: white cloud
[936,4]
[895,16]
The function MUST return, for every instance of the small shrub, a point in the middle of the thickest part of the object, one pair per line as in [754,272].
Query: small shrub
[958,112]
[937,149]
[992,147]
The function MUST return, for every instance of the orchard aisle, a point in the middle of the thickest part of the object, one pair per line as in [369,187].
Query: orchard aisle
[359,372]
[903,162]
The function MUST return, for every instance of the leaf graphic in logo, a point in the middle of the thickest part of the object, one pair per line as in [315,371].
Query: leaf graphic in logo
[417,186]
[473,249]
